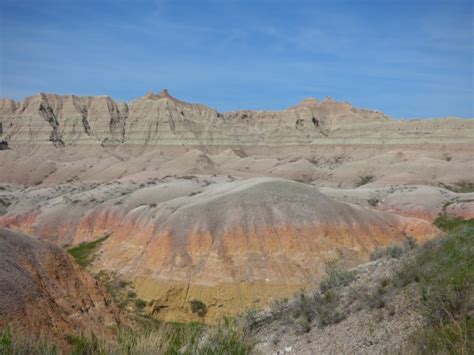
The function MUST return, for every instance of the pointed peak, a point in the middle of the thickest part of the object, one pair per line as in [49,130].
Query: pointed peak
[163,94]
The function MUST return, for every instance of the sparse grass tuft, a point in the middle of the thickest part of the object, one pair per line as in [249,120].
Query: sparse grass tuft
[336,277]
[84,253]
[394,251]
[459,187]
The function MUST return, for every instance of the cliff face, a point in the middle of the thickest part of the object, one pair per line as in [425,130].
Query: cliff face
[44,293]
[163,120]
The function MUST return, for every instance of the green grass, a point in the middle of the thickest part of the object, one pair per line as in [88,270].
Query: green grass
[14,345]
[444,271]
[155,338]
[84,253]
[447,338]
[448,224]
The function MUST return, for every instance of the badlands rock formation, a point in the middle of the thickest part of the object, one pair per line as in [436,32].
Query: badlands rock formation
[232,244]
[49,139]
[44,293]
[235,208]
[163,120]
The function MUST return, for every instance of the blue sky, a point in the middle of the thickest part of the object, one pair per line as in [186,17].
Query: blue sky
[406,58]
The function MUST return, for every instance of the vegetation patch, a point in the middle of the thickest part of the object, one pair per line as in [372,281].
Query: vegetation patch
[447,223]
[84,253]
[444,271]
[13,344]
[447,156]
[336,277]
[373,201]
[152,338]
[198,307]
[394,251]
[459,187]
[123,293]
[364,180]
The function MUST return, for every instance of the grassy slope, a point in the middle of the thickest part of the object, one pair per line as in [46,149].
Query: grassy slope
[84,253]
[444,270]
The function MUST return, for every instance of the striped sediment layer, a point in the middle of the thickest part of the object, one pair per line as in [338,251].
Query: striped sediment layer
[163,120]
[231,244]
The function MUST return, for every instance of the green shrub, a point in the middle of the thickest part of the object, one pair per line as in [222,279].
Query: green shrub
[198,307]
[122,292]
[447,156]
[326,312]
[373,201]
[394,251]
[140,304]
[336,277]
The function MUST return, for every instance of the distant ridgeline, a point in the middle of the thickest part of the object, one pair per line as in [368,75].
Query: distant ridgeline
[160,119]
